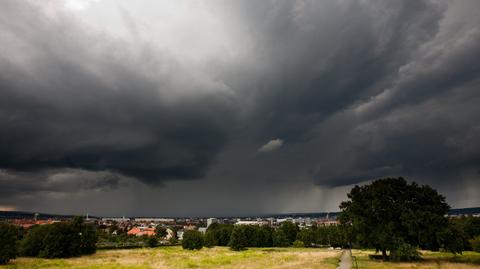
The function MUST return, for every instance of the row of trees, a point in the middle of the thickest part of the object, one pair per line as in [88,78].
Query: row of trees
[58,240]
[240,237]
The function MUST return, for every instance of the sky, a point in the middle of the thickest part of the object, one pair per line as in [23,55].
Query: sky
[208,108]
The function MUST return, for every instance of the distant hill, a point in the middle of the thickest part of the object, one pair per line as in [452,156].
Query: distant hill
[465,211]
[31,215]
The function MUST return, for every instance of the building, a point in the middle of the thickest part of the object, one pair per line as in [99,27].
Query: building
[141,231]
[251,222]
[210,221]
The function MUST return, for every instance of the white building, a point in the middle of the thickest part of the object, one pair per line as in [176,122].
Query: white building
[210,221]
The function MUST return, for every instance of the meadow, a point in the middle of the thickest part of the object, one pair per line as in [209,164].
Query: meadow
[176,257]
[430,260]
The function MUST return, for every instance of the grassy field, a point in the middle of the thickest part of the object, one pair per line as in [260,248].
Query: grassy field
[176,257]
[431,260]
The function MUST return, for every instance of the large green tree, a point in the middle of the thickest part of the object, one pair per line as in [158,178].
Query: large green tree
[391,212]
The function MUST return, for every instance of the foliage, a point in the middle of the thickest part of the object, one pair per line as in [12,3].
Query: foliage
[391,210]
[88,235]
[298,244]
[152,241]
[263,236]
[280,239]
[160,231]
[192,240]
[32,243]
[404,252]
[239,239]
[475,243]
[210,240]
[469,227]
[8,242]
[450,238]
[173,240]
[60,240]
[218,234]
[290,230]
[306,236]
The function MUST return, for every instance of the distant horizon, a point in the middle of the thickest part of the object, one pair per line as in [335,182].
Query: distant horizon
[212,216]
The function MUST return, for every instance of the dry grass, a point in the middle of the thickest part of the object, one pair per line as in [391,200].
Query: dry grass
[430,260]
[175,257]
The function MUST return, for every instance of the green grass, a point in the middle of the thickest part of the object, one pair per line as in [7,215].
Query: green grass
[176,257]
[430,260]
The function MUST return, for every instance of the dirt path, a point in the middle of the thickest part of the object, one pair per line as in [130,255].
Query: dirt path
[345,260]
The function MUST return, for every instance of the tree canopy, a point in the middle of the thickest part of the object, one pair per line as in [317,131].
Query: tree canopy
[8,242]
[192,240]
[389,213]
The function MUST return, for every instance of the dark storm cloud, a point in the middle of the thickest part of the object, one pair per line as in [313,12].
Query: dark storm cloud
[71,99]
[354,90]
[363,89]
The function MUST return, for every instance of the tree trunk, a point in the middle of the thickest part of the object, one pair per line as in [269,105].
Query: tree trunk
[384,254]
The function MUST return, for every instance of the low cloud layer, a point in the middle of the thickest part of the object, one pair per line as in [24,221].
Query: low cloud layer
[100,98]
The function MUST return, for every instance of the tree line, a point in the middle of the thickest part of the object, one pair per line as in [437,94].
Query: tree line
[240,237]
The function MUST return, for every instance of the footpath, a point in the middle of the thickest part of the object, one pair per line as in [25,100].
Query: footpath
[345,260]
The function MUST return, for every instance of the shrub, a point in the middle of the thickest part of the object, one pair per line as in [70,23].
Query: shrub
[8,242]
[298,244]
[475,243]
[152,241]
[405,252]
[192,240]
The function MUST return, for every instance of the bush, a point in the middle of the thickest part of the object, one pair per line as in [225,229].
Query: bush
[404,252]
[298,244]
[152,241]
[192,240]
[8,242]
[475,243]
